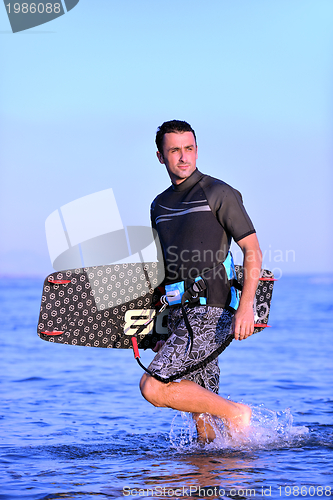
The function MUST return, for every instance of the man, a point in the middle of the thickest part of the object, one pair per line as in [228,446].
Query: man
[195,218]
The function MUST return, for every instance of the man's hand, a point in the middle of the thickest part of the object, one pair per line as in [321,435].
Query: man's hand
[243,322]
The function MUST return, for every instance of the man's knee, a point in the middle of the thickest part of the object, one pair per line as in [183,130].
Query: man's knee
[152,390]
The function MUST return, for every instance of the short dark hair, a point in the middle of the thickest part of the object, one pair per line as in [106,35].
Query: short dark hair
[176,126]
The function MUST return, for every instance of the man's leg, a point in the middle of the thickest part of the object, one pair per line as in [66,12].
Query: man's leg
[190,397]
[209,378]
[198,392]
[205,431]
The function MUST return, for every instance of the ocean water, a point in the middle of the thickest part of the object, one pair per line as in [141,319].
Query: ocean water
[75,426]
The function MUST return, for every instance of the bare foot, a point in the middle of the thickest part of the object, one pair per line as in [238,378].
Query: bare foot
[237,426]
[241,420]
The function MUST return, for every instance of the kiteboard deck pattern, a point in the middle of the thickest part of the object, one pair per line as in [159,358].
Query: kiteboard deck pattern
[103,306]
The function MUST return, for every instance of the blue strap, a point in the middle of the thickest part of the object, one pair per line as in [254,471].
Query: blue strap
[229,267]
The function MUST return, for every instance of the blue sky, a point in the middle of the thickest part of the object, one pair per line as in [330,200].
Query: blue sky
[82,96]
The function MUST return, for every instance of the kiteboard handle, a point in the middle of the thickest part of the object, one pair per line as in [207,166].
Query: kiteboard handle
[56,332]
[135,347]
[59,282]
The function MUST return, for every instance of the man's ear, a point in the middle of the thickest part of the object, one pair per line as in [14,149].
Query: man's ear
[160,157]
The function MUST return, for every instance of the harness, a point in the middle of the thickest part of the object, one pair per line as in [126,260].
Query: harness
[192,293]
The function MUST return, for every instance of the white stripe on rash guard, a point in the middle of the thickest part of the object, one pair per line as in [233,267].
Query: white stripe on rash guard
[161,218]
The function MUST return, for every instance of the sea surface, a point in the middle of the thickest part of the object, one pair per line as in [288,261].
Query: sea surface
[75,426]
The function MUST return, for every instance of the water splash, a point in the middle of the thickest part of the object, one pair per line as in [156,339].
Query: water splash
[183,433]
[268,429]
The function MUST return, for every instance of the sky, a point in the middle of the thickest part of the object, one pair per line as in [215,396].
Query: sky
[81,98]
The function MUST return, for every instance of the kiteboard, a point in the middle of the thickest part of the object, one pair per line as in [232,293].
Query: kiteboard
[104,306]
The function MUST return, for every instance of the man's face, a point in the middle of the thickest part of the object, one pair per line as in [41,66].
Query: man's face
[179,155]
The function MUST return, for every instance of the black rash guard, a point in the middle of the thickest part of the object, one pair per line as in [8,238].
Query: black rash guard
[195,221]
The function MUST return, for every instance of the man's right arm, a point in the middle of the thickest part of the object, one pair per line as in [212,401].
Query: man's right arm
[243,321]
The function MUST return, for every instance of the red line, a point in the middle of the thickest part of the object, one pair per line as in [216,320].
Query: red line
[259,325]
[268,279]
[135,348]
[59,282]
[52,333]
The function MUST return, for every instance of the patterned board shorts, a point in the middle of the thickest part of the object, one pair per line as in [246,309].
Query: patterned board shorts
[211,326]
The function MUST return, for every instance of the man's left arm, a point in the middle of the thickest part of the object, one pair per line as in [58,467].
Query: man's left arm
[243,321]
